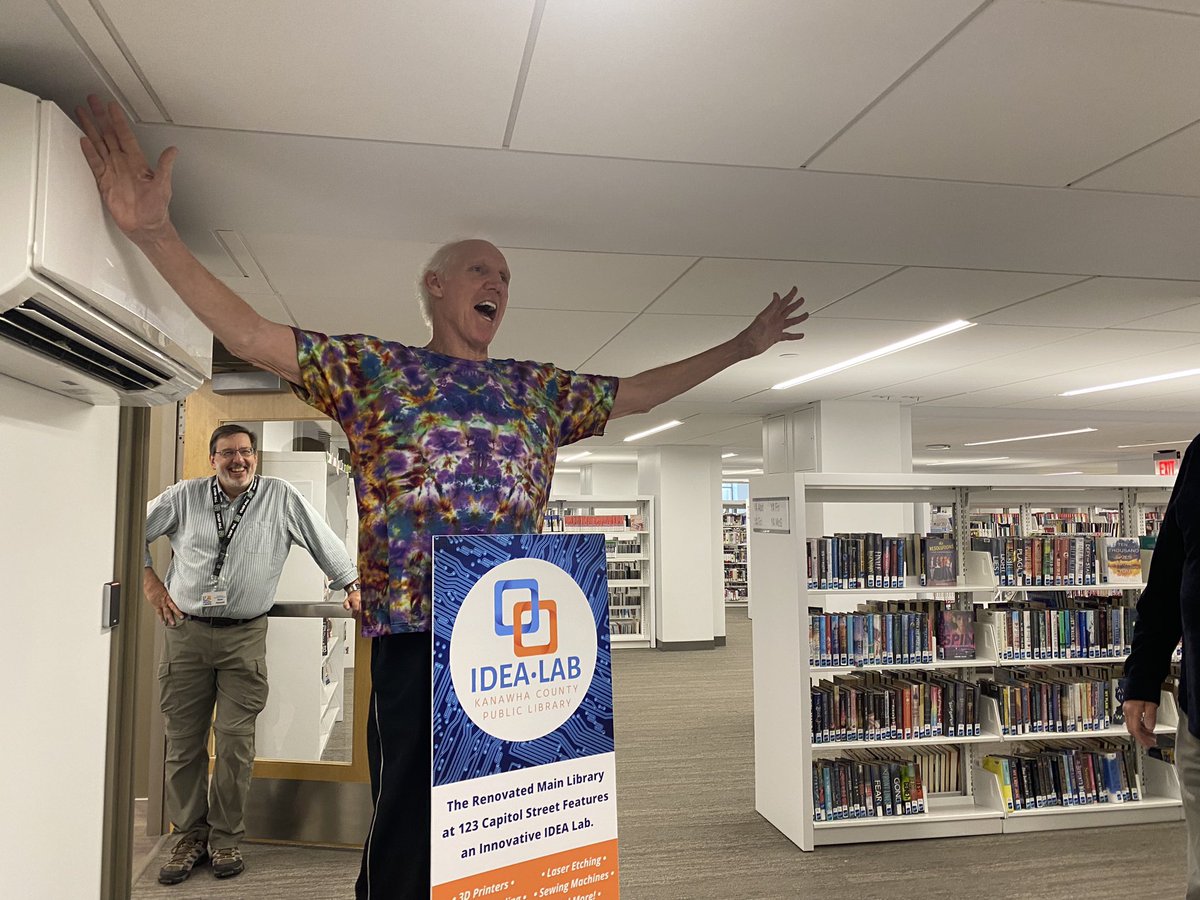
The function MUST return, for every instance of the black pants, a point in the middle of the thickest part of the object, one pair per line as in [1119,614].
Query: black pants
[395,863]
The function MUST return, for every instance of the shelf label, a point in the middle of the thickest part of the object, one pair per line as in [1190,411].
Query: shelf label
[771,515]
[524,769]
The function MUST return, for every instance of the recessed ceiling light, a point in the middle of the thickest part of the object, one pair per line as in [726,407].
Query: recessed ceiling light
[1170,445]
[937,446]
[743,472]
[1151,379]
[574,457]
[1052,474]
[1029,437]
[655,430]
[932,334]
[728,455]
[965,462]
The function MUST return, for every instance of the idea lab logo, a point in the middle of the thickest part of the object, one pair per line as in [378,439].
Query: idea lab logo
[523,649]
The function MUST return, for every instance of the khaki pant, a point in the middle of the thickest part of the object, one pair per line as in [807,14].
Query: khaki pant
[1187,764]
[203,666]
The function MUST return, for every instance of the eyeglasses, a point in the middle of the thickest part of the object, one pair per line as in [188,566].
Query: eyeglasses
[243,452]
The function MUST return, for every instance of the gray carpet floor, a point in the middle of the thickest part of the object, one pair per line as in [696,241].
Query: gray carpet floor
[688,829]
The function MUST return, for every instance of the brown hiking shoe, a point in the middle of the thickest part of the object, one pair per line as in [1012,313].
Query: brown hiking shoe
[227,862]
[187,854]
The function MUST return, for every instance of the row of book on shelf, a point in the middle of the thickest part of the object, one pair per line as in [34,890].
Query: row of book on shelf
[1066,560]
[555,521]
[1054,701]
[872,560]
[869,560]
[893,783]
[1066,775]
[881,784]
[874,706]
[918,632]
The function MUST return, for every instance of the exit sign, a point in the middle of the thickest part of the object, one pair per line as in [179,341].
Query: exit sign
[1166,462]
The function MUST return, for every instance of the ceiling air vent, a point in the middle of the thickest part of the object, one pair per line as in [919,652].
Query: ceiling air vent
[49,334]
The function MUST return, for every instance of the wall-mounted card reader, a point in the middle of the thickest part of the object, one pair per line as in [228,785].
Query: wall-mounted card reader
[110,610]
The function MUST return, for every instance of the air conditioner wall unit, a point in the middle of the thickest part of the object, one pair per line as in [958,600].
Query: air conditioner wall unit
[82,312]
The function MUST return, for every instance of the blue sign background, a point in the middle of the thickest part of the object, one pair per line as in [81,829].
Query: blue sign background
[461,749]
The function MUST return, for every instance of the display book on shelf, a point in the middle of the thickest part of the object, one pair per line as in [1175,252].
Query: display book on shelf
[735,559]
[628,527]
[956,792]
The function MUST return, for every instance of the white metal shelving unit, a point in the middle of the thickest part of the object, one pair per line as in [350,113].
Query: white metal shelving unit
[784,750]
[631,599]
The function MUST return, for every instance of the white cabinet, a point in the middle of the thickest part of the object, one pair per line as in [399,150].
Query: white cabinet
[307,655]
[628,528]
[784,675]
[306,659]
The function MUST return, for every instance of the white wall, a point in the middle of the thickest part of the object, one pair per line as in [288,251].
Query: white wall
[59,504]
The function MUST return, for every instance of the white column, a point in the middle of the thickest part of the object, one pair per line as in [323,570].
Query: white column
[689,593]
[609,479]
[844,436]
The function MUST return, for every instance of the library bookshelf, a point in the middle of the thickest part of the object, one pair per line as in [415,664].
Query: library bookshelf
[735,561]
[781,507]
[630,551]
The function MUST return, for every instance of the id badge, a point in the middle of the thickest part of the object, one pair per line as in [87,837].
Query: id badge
[210,599]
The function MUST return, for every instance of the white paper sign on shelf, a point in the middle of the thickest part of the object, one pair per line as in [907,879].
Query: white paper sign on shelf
[771,515]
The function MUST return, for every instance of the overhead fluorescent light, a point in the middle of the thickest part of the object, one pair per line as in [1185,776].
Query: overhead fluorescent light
[574,457]
[655,430]
[1168,444]
[932,334]
[566,471]
[742,472]
[965,462]
[1052,474]
[728,455]
[1029,437]
[1150,379]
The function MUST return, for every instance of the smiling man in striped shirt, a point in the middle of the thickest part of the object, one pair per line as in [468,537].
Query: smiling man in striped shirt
[230,535]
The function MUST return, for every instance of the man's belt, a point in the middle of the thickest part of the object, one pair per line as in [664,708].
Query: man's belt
[221,621]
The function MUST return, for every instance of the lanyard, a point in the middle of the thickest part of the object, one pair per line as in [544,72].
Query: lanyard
[223,536]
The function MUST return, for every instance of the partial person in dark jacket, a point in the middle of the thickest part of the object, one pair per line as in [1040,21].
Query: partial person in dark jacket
[1169,610]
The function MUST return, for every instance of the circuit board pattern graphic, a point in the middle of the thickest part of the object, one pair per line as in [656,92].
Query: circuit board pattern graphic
[462,750]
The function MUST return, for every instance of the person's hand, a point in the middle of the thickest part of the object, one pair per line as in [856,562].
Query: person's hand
[353,602]
[771,325]
[136,196]
[164,607]
[1140,718]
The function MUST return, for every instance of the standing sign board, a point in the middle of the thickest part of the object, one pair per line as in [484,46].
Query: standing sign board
[524,773]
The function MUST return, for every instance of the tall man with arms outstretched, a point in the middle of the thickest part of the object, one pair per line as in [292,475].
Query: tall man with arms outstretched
[444,440]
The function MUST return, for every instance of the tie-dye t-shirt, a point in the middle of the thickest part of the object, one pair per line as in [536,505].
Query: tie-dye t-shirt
[441,445]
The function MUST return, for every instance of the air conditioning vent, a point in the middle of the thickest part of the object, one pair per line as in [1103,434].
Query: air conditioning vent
[49,334]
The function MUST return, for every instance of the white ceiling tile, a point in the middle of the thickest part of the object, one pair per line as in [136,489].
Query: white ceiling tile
[1101,303]
[1166,167]
[434,71]
[744,286]
[1031,93]
[757,82]
[615,282]
[346,285]
[565,338]
[943,295]
[1184,319]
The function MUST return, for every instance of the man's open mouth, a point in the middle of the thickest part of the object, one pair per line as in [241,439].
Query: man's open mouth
[487,308]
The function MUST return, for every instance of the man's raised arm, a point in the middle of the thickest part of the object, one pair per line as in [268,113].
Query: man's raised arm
[138,199]
[642,392]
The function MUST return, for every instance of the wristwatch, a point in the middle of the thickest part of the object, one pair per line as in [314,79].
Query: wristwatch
[352,587]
